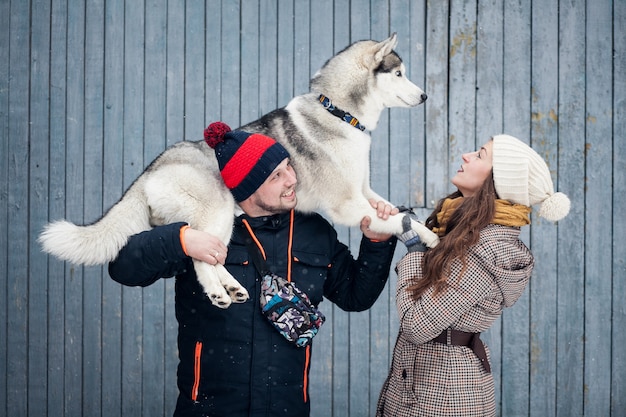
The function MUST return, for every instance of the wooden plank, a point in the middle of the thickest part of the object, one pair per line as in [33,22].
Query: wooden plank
[155,132]
[345,322]
[56,205]
[321,371]
[489,121]
[5,37]
[570,306]
[74,181]
[194,69]
[598,265]
[516,111]
[133,137]
[303,68]
[231,63]
[154,348]
[618,338]
[357,354]
[436,108]
[346,32]
[308,57]
[93,136]
[489,76]
[213,61]
[314,46]
[414,55]
[380,330]
[268,56]
[174,108]
[543,286]
[38,208]
[462,83]
[17,213]
[285,64]
[113,187]
[175,70]
[398,131]
[249,69]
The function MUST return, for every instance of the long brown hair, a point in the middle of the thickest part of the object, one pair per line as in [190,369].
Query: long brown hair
[462,231]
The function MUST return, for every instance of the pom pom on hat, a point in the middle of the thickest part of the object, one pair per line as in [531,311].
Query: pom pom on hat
[555,207]
[215,132]
[522,176]
[245,159]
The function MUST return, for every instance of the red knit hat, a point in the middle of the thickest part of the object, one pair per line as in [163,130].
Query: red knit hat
[245,159]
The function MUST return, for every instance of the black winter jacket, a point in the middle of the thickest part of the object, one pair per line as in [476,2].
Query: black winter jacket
[232,361]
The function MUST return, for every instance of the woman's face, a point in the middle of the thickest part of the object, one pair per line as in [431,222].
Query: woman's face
[474,170]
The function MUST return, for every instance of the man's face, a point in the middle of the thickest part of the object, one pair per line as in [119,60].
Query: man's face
[276,195]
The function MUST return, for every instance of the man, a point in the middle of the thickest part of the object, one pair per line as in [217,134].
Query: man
[233,362]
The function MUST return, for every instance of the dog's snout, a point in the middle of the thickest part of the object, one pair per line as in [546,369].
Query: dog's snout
[423,97]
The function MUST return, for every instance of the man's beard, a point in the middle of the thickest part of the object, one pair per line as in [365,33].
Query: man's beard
[274,208]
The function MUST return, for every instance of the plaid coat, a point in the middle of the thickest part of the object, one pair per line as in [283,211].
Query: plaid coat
[433,379]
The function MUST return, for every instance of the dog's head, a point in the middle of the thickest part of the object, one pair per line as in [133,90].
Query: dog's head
[366,75]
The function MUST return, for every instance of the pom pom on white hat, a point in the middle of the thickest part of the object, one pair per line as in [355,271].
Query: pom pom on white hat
[522,176]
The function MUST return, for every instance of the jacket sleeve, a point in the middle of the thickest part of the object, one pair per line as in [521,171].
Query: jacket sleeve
[354,285]
[149,256]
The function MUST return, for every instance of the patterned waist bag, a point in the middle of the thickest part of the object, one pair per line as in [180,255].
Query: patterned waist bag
[289,310]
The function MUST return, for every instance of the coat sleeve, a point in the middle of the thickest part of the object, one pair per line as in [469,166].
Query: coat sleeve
[149,256]
[498,270]
[354,285]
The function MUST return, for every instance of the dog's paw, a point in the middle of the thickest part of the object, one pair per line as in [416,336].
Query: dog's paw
[219,299]
[238,294]
[427,236]
[429,239]
[209,280]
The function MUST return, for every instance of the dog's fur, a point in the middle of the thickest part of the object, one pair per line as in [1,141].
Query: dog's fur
[330,157]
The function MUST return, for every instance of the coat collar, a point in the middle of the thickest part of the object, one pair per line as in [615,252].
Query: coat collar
[274,221]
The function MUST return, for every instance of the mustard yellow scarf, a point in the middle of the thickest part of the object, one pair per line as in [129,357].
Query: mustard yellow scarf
[507,214]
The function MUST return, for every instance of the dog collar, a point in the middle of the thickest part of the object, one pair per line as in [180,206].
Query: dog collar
[343,115]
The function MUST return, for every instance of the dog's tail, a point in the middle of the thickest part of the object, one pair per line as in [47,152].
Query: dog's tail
[99,242]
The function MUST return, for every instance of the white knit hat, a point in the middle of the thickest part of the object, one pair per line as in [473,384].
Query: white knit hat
[522,176]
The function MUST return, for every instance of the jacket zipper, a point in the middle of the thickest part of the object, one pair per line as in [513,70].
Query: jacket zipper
[196,372]
[305,387]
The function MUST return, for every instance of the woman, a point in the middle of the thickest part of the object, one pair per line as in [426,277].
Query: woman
[448,295]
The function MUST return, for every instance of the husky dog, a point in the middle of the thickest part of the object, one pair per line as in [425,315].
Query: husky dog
[329,149]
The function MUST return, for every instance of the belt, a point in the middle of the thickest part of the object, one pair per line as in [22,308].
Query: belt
[471,340]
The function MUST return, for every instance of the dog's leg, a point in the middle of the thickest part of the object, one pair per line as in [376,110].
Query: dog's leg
[175,194]
[210,282]
[219,285]
[237,293]
[351,213]
[427,236]
[394,225]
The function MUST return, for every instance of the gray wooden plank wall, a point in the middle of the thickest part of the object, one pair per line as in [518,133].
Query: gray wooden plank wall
[91,91]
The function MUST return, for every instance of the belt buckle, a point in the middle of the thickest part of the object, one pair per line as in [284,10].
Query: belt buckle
[448,336]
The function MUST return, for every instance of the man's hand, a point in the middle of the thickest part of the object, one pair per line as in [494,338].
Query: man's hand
[383,211]
[204,246]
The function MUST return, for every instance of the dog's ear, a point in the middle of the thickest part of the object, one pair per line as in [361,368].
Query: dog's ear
[384,48]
